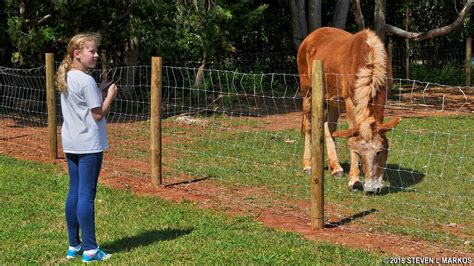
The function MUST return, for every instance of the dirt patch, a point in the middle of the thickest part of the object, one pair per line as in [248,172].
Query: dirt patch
[434,99]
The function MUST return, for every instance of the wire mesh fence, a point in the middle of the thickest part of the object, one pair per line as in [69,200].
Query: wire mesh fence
[237,138]
[23,109]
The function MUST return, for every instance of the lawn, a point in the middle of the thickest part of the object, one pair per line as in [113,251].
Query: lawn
[429,191]
[139,229]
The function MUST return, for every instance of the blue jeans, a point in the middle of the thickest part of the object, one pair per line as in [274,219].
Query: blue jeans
[84,172]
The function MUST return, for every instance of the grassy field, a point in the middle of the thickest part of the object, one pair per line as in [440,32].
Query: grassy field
[429,193]
[142,229]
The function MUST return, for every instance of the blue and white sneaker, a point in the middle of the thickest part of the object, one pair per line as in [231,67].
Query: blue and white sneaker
[73,251]
[98,256]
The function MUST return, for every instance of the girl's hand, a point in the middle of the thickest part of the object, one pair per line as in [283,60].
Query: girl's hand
[112,92]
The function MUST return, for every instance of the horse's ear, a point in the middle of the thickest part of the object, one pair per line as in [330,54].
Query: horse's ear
[348,133]
[387,126]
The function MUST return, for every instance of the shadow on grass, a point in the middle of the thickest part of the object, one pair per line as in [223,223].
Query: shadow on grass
[187,182]
[144,239]
[333,224]
[400,179]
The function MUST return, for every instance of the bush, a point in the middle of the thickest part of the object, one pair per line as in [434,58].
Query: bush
[449,74]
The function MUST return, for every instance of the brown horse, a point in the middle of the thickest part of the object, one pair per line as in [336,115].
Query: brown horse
[358,78]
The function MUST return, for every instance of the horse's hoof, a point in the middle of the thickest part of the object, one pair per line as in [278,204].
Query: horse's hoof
[357,185]
[307,170]
[339,173]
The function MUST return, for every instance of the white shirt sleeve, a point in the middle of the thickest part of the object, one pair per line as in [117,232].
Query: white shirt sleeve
[92,96]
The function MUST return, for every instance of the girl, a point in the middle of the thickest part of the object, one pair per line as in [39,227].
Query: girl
[84,141]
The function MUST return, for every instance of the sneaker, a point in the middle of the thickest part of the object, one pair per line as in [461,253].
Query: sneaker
[72,252]
[98,256]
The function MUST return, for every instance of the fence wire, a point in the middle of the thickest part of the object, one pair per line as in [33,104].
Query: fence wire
[23,110]
[237,137]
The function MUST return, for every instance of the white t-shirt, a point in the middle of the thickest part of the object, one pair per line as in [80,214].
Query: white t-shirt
[80,132]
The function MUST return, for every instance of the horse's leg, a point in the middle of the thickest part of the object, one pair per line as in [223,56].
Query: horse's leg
[307,133]
[354,172]
[330,127]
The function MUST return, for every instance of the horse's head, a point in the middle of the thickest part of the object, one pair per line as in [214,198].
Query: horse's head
[373,151]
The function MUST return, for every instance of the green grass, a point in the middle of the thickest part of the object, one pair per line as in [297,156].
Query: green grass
[142,229]
[429,173]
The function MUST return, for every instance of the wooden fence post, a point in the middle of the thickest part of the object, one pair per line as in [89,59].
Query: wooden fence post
[317,146]
[155,120]
[51,102]
[468,61]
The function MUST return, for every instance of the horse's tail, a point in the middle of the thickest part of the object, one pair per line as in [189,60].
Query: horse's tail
[370,76]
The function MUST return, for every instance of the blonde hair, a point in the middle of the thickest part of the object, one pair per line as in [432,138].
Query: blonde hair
[76,43]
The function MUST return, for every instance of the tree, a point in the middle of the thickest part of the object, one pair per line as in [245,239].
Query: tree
[6,49]
[306,16]
[209,29]
[358,16]
[300,26]
[340,14]
[35,27]
[419,36]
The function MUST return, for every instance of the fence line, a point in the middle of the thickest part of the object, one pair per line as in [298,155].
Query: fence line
[236,136]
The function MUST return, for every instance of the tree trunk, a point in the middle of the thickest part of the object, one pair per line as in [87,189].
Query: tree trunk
[314,15]
[407,44]
[199,79]
[305,18]
[390,52]
[358,16]
[103,60]
[468,61]
[340,14]
[301,8]
[299,31]
[131,56]
[379,18]
[131,50]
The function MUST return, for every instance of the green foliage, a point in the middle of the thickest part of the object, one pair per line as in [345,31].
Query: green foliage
[207,31]
[132,30]
[451,74]
[192,31]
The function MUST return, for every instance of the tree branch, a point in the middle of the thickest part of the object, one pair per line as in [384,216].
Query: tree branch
[420,36]
[43,19]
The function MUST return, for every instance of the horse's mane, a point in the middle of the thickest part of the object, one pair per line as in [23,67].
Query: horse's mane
[370,77]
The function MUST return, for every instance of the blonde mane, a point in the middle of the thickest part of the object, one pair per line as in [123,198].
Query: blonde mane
[370,78]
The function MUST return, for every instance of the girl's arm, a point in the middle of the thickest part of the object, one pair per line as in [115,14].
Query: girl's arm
[99,112]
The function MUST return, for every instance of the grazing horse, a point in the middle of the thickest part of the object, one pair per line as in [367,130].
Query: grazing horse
[358,78]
